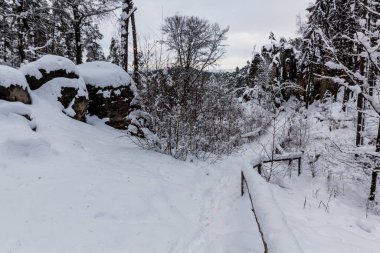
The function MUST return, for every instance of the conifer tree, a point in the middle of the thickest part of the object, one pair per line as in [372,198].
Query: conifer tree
[114,55]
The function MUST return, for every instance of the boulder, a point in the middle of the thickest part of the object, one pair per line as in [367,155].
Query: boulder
[57,79]
[70,93]
[13,86]
[112,95]
[111,103]
[47,68]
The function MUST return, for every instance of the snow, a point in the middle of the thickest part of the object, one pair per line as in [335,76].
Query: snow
[105,74]
[12,119]
[276,231]
[49,63]
[333,65]
[76,187]
[318,230]
[288,46]
[293,215]
[252,133]
[51,91]
[301,214]
[365,226]
[10,76]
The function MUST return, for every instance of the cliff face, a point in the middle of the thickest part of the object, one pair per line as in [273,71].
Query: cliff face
[283,63]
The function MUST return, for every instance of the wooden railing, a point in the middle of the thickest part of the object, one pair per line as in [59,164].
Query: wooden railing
[244,182]
[280,158]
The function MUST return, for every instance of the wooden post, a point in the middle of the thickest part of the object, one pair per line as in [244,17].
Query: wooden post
[372,193]
[299,166]
[242,183]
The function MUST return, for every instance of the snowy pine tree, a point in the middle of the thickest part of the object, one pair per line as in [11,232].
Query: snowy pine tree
[114,55]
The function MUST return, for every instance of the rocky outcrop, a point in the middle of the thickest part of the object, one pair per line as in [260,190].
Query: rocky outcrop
[48,68]
[79,104]
[35,83]
[15,93]
[13,86]
[57,78]
[112,96]
[115,104]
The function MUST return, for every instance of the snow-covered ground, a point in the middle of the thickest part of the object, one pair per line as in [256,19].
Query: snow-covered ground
[76,187]
[87,188]
[327,213]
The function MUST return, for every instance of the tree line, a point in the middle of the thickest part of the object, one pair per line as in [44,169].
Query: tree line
[335,57]
[69,28]
[341,44]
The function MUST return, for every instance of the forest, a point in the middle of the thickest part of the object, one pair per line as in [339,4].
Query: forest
[297,128]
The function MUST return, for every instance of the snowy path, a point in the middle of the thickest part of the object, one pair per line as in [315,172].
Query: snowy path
[276,232]
[226,223]
[72,187]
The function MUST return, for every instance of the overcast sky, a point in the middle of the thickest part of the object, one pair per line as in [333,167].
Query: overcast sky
[250,21]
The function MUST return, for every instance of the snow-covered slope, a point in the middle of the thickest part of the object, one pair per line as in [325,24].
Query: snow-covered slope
[86,188]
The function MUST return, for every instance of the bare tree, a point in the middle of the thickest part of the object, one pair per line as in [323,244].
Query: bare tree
[193,113]
[197,45]
[196,42]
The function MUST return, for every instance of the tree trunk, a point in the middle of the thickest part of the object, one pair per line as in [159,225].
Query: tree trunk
[360,123]
[125,33]
[21,22]
[3,39]
[78,45]
[371,79]
[346,97]
[308,89]
[372,193]
[378,140]
[77,35]
[362,65]
[136,74]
